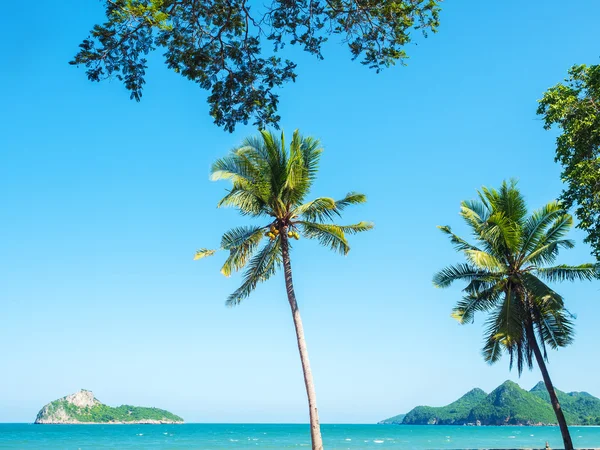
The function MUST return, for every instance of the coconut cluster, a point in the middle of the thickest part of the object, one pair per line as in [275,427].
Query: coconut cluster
[273,232]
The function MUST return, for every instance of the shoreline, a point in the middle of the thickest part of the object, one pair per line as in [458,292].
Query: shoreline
[107,423]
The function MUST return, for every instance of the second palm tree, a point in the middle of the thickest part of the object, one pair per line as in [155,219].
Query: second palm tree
[506,271]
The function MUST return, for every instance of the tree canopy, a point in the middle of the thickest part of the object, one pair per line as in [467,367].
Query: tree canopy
[271,181]
[507,270]
[574,106]
[230,47]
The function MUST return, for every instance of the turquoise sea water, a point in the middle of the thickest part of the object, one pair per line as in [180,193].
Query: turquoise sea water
[237,436]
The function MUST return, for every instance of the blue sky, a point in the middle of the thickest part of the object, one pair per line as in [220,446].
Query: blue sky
[105,200]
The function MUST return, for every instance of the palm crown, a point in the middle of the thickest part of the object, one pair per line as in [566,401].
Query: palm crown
[507,270]
[272,182]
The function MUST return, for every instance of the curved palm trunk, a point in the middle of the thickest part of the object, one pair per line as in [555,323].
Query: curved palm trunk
[564,430]
[315,428]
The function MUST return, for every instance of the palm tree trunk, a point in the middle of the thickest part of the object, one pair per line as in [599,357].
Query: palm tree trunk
[562,423]
[315,428]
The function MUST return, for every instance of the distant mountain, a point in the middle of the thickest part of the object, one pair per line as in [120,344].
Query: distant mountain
[396,420]
[508,404]
[452,414]
[579,407]
[82,407]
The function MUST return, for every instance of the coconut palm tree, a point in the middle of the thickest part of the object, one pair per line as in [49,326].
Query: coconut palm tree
[506,273]
[271,182]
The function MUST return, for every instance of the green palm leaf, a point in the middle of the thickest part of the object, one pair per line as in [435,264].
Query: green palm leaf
[359,227]
[241,243]
[203,253]
[583,272]
[245,201]
[459,243]
[450,274]
[319,209]
[484,260]
[536,225]
[484,301]
[260,268]
[352,198]
[328,235]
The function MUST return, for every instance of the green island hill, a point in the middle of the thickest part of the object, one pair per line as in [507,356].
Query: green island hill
[83,408]
[508,404]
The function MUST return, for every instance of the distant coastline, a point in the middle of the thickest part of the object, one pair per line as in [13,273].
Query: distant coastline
[507,405]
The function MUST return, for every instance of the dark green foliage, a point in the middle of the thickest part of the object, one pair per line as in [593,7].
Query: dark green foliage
[102,413]
[580,408]
[574,106]
[508,404]
[452,414]
[229,47]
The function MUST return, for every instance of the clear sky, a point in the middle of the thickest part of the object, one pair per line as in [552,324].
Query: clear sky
[104,202]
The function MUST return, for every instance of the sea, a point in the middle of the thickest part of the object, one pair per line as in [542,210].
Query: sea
[263,436]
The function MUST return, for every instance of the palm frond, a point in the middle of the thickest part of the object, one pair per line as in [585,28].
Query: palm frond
[483,301]
[559,228]
[352,198]
[328,235]
[492,348]
[297,176]
[537,223]
[484,261]
[501,234]
[246,202]
[275,157]
[260,268]
[359,227]
[317,210]
[563,272]
[236,167]
[311,154]
[203,253]
[547,253]
[241,243]
[538,290]
[504,330]
[450,274]
[555,327]
[511,202]
[475,213]
[459,243]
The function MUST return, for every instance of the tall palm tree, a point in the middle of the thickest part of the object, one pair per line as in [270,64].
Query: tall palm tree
[272,182]
[506,274]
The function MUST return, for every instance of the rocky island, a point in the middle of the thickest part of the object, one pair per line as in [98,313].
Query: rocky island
[508,404]
[83,408]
